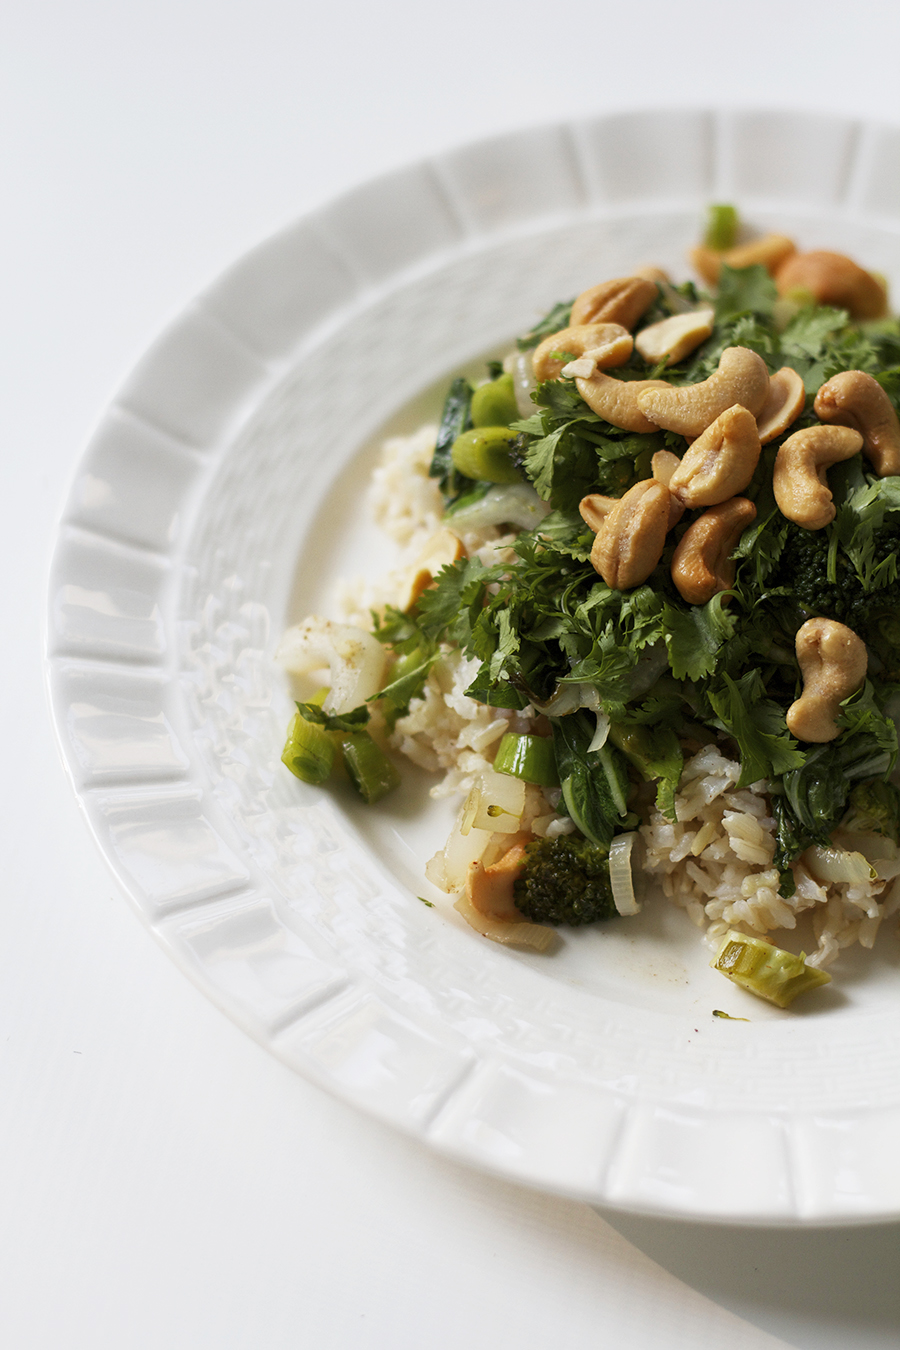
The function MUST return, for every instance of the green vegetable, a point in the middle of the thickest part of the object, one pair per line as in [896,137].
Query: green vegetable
[527,757]
[485,453]
[371,772]
[566,880]
[874,808]
[494,404]
[309,751]
[594,782]
[775,975]
[455,418]
[552,322]
[721,227]
[655,752]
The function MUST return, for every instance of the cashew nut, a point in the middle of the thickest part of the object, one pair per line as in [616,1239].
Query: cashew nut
[742,378]
[622,300]
[607,344]
[783,405]
[652,273]
[833,279]
[798,479]
[855,399]
[442,548]
[595,508]
[631,538]
[663,465]
[771,250]
[833,663]
[674,338]
[720,462]
[616,401]
[490,889]
[701,565]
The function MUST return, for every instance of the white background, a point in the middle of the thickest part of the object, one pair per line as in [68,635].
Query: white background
[163,1182]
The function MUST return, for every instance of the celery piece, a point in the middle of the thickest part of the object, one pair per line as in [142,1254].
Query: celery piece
[765,970]
[528,757]
[371,772]
[308,751]
[721,227]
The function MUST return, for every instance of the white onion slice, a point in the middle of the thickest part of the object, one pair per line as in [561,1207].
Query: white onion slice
[495,804]
[510,933]
[620,874]
[568,698]
[356,659]
[601,733]
[449,867]
[523,383]
[507,504]
[837,864]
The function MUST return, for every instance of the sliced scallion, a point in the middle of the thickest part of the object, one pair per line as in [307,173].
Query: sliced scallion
[531,758]
[308,751]
[721,227]
[766,970]
[371,772]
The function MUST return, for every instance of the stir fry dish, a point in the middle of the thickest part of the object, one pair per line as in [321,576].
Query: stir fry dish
[646,620]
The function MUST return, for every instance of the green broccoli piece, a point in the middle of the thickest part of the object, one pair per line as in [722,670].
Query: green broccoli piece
[874,614]
[566,880]
[874,808]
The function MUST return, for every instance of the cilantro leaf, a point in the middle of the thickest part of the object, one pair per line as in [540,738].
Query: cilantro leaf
[694,637]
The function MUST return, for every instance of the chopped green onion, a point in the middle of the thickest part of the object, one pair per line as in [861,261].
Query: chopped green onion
[484,454]
[721,227]
[528,757]
[308,751]
[773,974]
[371,772]
[494,404]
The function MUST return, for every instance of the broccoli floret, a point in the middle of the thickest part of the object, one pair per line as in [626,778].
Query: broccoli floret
[874,808]
[566,880]
[874,615]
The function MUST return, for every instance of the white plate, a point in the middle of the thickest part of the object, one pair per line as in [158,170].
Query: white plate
[222,492]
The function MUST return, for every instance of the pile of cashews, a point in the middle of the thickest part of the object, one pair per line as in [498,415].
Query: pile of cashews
[726,419]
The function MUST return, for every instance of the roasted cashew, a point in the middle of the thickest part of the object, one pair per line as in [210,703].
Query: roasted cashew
[616,401]
[595,508]
[784,404]
[833,663]
[442,548]
[652,273]
[742,378]
[622,300]
[771,250]
[608,344]
[662,465]
[631,538]
[720,462]
[674,338]
[833,279]
[701,565]
[855,399]
[798,479]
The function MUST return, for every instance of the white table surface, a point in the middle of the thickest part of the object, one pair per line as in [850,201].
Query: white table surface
[163,1182]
